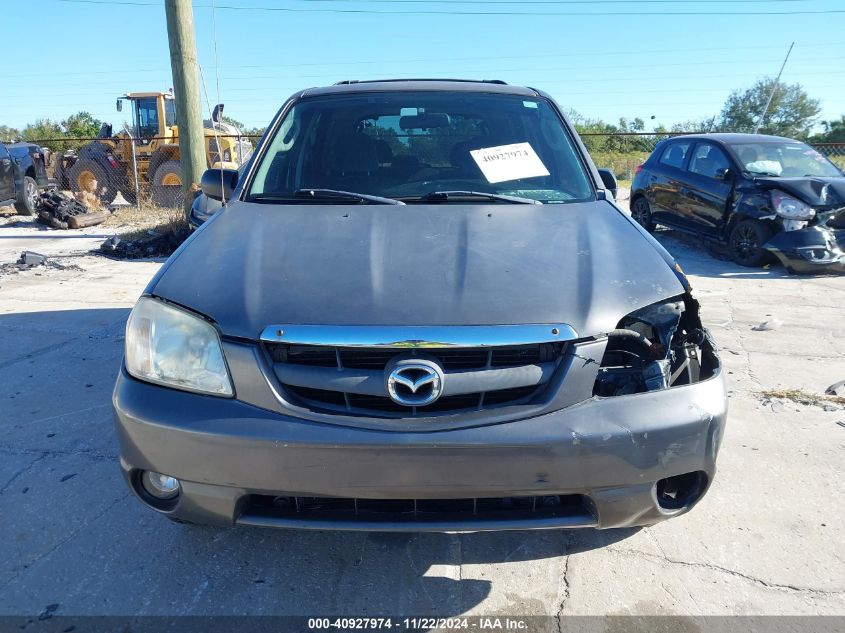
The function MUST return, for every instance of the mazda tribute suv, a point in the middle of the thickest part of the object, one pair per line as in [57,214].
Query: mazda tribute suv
[420,309]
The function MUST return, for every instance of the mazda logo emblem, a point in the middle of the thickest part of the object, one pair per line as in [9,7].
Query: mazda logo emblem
[414,382]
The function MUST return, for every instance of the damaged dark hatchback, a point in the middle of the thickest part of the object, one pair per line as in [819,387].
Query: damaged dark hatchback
[764,196]
[420,310]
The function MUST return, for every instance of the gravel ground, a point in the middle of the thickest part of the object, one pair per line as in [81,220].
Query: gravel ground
[767,539]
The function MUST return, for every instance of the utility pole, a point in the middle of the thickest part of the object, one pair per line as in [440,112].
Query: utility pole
[775,87]
[183,62]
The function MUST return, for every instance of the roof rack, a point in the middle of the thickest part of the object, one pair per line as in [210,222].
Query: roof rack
[346,82]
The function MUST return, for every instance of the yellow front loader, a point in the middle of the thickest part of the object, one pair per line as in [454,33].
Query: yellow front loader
[155,131]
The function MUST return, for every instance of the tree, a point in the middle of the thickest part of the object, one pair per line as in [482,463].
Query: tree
[9,134]
[81,125]
[43,130]
[834,132]
[791,113]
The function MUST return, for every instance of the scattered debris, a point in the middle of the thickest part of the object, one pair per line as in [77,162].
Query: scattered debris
[836,389]
[153,244]
[48,611]
[802,397]
[60,212]
[31,259]
[765,326]
[118,202]
[779,407]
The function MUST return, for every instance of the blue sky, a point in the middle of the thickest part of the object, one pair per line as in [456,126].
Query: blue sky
[636,61]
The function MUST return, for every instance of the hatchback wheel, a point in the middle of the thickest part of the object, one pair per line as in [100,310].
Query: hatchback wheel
[746,243]
[641,212]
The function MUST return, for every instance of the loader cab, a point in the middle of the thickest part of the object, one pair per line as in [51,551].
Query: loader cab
[153,116]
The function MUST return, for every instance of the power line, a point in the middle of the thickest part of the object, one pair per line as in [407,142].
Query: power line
[486,70]
[469,13]
[557,1]
[434,59]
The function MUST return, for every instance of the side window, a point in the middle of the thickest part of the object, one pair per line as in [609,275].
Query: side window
[708,160]
[674,154]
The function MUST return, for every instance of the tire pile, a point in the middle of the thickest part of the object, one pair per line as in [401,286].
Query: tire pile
[60,212]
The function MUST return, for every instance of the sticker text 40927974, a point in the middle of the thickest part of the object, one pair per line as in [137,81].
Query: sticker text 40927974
[509,162]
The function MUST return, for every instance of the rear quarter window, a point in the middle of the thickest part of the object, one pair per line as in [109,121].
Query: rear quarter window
[674,154]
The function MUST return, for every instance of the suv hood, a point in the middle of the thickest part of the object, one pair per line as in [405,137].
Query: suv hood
[254,265]
[817,192]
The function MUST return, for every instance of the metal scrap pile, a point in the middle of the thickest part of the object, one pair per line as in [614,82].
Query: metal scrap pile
[57,210]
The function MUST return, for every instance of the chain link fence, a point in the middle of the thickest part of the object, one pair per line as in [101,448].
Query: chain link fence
[147,173]
[122,170]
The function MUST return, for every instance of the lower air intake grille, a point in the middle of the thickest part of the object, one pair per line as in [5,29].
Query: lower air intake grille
[341,509]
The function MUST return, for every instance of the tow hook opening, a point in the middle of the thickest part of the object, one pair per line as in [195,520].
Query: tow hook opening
[680,491]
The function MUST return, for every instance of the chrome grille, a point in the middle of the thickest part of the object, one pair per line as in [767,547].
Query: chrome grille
[317,377]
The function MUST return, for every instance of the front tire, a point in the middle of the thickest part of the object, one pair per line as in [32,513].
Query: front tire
[167,185]
[81,174]
[746,243]
[641,212]
[25,204]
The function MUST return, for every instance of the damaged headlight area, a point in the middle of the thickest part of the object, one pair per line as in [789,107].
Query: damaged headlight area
[794,213]
[170,346]
[657,347]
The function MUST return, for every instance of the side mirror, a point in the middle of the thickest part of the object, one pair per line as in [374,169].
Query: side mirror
[219,184]
[119,105]
[217,113]
[724,174]
[608,178]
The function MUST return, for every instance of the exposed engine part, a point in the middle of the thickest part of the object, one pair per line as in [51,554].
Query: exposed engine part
[794,225]
[657,347]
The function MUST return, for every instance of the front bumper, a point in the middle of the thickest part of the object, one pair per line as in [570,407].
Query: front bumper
[608,452]
[815,249]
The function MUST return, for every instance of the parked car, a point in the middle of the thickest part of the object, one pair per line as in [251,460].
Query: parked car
[420,310]
[761,195]
[22,174]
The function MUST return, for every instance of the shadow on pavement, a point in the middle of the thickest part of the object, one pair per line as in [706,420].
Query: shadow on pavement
[78,538]
[705,258]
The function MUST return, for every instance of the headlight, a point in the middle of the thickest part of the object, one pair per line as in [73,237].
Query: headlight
[790,208]
[168,346]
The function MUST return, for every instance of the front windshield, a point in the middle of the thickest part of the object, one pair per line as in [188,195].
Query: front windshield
[786,159]
[406,145]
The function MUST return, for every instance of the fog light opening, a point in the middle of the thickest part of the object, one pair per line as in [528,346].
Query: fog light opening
[680,491]
[160,486]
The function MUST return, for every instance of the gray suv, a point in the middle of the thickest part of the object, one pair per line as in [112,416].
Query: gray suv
[419,310]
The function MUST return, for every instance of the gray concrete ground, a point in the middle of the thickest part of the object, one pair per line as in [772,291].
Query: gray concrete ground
[766,540]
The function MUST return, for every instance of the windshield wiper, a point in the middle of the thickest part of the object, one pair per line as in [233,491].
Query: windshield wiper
[335,194]
[321,195]
[443,196]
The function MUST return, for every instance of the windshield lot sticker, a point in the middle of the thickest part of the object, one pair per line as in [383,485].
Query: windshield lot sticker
[509,162]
